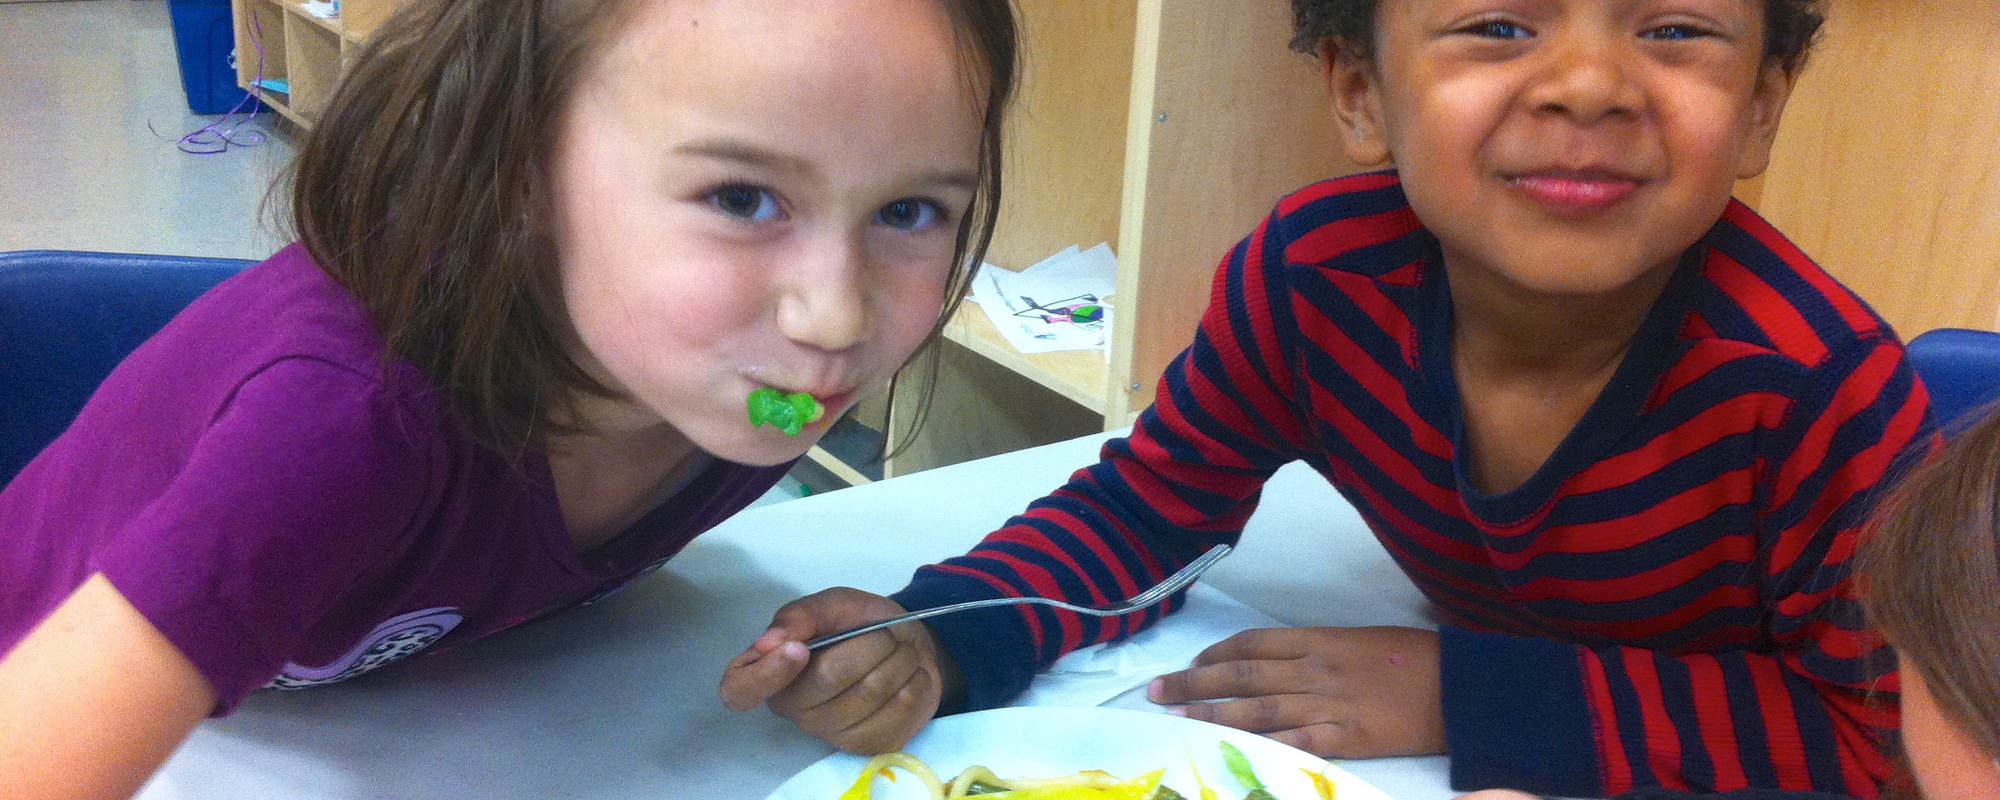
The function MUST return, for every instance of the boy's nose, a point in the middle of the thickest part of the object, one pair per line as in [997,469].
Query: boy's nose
[1587,79]
[824,300]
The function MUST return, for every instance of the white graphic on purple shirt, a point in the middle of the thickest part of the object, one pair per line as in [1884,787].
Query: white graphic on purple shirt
[391,641]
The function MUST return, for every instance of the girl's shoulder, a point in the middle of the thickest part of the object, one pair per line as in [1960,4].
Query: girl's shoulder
[281,328]
[283,308]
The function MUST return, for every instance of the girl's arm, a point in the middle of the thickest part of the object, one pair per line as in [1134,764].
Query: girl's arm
[93,700]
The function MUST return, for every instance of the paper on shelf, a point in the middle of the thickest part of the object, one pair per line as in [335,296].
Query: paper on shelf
[324,9]
[1031,308]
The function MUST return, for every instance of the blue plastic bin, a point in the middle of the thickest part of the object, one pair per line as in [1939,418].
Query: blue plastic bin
[203,37]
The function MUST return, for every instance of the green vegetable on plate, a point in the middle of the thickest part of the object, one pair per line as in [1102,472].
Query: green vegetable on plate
[1239,765]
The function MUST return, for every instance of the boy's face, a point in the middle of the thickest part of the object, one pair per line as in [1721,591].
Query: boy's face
[761,193]
[1565,146]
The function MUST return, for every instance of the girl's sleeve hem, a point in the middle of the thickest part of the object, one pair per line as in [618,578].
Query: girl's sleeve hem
[1515,716]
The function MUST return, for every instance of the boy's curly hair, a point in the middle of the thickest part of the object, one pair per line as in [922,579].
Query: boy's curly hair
[1790,27]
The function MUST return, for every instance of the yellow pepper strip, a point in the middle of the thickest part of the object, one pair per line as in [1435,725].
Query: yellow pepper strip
[1320,783]
[1089,785]
[1206,793]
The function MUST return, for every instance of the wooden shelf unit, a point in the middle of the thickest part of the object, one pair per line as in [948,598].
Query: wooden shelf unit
[280,40]
[1167,128]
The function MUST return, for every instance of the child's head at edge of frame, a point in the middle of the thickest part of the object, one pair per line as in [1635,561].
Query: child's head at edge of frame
[1570,148]
[1929,573]
[430,188]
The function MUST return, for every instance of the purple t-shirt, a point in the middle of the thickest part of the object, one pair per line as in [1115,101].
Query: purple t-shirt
[288,513]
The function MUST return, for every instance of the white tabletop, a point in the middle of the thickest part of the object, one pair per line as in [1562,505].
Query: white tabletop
[618,699]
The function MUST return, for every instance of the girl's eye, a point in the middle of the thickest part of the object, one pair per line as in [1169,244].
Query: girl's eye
[748,203]
[910,214]
[1496,29]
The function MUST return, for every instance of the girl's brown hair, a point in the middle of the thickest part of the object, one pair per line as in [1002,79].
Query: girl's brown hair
[1930,576]
[423,189]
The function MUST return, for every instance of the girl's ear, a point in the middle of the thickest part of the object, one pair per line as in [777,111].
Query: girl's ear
[1767,108]
[1353,85]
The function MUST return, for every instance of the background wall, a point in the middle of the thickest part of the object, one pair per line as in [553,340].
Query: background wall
[1887,168]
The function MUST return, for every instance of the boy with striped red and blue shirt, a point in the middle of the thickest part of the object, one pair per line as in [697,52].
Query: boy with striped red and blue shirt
[1615,427]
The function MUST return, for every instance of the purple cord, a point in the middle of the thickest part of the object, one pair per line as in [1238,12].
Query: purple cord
[214,138]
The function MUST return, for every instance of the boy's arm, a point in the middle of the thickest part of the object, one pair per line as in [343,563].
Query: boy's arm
[93,701]
[1810,709]
[1185,479]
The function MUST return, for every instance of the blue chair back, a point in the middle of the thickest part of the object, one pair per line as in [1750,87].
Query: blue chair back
[67,318]
[1960,367]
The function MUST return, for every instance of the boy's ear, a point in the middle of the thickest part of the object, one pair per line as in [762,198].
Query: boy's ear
[1767,108]
[1351,82]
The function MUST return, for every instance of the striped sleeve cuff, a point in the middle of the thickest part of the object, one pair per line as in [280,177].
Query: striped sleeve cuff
[991,645]
[1515,715]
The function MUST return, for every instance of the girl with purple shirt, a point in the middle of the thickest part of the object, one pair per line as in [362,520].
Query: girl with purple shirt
[546,250]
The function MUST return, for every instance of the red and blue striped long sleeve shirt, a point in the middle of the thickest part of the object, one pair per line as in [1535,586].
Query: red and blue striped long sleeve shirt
[1668,597]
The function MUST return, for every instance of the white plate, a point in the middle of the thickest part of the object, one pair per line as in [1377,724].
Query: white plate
[1047,741]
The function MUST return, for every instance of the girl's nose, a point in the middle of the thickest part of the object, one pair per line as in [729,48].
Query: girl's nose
[824,301]
[1587,79]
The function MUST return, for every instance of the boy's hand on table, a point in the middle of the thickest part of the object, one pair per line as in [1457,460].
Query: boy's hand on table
[1336,692]
[869,694]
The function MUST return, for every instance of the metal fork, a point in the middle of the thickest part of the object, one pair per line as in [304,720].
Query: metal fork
[1161,591]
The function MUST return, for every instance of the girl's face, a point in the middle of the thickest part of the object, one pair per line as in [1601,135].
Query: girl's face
[1948,763]
[1568,146]
[761,193]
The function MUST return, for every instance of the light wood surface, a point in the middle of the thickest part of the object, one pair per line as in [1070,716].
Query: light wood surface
[982,407]
[1887,167]
[1166,127]
[1077,375]
[312,48]
[1224,121]
[840,469]
[1066,131]
[309,52]
[359,18]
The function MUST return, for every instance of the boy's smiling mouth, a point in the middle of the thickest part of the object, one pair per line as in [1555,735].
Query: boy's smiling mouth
[1572,193]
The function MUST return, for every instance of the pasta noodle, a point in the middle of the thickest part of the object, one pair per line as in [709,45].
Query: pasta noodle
[980,781]
[1093,784]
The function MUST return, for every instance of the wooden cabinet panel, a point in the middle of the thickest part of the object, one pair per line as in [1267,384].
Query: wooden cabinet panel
[1887,167]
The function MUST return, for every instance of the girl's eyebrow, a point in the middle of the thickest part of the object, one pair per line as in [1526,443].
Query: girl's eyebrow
[951,179]
[745,153]
[752,155]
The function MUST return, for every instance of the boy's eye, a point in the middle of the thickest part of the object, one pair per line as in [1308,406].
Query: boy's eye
[746,202]
[910,214]
[1497,29]
[1676,33]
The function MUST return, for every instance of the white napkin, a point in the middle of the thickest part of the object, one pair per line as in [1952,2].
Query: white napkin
[1098,673]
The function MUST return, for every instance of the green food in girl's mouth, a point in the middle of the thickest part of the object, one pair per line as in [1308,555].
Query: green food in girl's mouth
[786,412]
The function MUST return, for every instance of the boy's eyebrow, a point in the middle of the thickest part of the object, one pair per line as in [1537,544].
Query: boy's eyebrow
[752,155]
